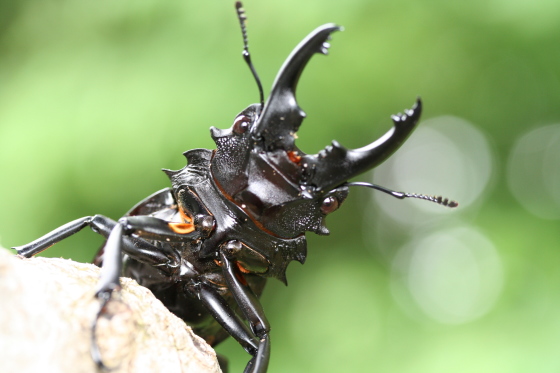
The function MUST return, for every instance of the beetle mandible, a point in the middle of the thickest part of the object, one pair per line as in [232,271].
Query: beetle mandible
[237,215]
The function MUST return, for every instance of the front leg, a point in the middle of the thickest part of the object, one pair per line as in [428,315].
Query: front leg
[136,247]
[120,240]
[143,227]
[108,282]
[221,311]
[249,305]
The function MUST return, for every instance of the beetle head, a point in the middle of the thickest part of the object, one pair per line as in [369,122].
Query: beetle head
[259,167]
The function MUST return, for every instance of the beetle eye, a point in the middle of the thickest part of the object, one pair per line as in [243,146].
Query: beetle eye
[241,124]
[329,205]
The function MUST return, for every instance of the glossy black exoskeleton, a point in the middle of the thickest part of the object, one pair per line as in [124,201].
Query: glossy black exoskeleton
[237,215]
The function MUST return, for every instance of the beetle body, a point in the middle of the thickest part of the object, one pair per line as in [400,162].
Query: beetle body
[237,215]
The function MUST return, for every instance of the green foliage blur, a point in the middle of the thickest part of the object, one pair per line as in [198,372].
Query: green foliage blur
[97,96]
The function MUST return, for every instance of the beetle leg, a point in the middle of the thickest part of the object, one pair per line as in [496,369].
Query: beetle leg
[153,228]
[53,237]
[249,305]
[222,312]
[259,363]
[232,323]
[137,248]
[119,241]
[109,281]
[247,300]
[112,265]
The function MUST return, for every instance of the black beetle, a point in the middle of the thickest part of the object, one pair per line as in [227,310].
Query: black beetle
[237,215]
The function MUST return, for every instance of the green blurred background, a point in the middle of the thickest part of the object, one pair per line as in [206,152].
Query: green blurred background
[96,97]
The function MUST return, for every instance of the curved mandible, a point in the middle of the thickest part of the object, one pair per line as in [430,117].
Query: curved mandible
[281,116]
[335,164]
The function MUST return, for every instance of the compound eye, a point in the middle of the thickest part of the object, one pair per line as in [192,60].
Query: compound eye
[329,205]
[241,124]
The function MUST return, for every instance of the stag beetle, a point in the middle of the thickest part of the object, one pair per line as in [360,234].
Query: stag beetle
[237,215]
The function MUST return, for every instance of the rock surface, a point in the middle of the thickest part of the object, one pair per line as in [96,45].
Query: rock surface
[47,306]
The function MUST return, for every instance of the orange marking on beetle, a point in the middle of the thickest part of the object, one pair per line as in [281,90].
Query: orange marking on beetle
[241,279]
[294,156]
[241,268]
[181,228]
[184,216]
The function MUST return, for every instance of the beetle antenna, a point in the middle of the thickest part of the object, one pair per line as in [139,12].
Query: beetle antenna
[246,55]
[401,195]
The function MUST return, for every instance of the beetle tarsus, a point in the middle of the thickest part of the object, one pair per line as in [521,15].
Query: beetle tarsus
[104,298]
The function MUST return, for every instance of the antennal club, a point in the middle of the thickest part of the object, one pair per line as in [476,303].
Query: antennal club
[402,195]
[246,55]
